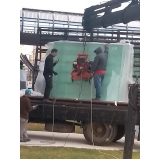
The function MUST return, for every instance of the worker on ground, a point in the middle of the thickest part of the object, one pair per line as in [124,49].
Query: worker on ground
[25,108]
[99,69]
[49,72]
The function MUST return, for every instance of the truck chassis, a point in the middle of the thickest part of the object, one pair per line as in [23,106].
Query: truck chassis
[108,120]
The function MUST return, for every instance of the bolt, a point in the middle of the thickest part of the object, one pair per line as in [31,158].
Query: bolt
[99,129]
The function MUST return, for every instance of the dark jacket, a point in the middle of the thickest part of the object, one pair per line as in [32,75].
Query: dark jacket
[25,107]
[48,67]
[100,61]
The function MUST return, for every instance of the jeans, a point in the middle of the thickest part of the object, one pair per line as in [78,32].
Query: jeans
[48,87]
[23,128]
[98,79]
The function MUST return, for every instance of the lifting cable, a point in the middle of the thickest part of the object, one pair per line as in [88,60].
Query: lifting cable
[84,44]
[53,140]
[84,47]
[80,91]
[84,40]
[92,125]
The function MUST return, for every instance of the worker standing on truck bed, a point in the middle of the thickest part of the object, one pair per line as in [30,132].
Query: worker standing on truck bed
[99,69]
[25,108]
[48,73]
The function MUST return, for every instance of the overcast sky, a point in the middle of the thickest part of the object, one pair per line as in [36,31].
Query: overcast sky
[67,6]
[76,6]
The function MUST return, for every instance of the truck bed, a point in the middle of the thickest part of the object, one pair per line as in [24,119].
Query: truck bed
[78,110]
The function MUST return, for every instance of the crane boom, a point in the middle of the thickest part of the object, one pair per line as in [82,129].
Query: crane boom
[92,18]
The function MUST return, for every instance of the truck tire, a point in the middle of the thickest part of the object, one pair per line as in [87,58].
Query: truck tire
[103,133]
[120,132]
[113,133]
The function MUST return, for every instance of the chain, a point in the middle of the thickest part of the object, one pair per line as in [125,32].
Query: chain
[84,42]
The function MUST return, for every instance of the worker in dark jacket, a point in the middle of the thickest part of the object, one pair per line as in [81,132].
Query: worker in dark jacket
[25,108]
[48,73]
[99,69]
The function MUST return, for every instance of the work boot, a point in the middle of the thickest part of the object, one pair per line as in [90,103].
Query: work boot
[47,100]
[23,140]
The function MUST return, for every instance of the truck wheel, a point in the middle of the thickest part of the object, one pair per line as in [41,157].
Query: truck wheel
[120,132]
[102,133]
[113,133]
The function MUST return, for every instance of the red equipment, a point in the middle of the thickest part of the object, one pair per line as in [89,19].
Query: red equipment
[81,68]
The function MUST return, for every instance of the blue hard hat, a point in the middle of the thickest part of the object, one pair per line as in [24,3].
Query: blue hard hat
[27,91]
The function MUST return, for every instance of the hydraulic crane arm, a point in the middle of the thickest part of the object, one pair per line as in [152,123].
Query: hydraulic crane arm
[92,19]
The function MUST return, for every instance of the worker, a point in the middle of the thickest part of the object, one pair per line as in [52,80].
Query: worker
[25,108]
[49,72]
[98,69]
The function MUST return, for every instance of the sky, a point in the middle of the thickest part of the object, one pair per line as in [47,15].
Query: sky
[75,6]
[61,5]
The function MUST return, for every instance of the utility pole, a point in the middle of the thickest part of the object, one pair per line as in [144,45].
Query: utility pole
[133,109]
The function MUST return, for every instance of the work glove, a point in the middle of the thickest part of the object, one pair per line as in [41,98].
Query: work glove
[91,73]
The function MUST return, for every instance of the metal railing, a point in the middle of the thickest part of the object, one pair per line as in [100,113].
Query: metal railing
[31,20]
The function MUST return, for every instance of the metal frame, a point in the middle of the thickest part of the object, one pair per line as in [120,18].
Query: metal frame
[45,36]
[49,11]
[31,28]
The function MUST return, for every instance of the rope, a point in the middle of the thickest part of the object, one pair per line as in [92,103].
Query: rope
[53,119]
[91,115]
[76,110]
[53,110]
[73,126]
[92,126]
[53,141]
